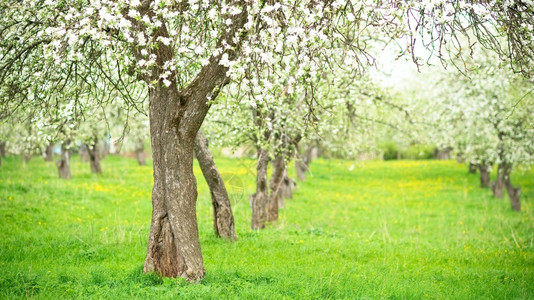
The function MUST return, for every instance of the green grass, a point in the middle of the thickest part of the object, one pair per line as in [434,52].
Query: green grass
[354,230]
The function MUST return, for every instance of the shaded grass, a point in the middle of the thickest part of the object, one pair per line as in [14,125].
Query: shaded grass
[354,230]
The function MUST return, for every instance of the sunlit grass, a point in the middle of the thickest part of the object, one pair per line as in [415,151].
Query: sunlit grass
[397,229]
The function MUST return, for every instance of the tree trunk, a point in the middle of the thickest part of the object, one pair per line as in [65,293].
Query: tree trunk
[277,178]
[2,148]
[175,117]
[303,164]
[94,157]
[473,168]
[484,176]
[288,185]
[140,153]
[513,194]
[27,157]
[498,185]
[48,156]
[84,154]
[301,168]
[173,244]
[443,154]
[63,165]
[223,218]
[104,150]
[259,200]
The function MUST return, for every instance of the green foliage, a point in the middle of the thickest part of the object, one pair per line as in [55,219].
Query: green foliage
[371,230]
[390,150]
[418,151]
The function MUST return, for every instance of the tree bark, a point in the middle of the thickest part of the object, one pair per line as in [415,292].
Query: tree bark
[288,185]
[259,200]
[103,149]
[84,154]
[443,154]
[94,157]
[140,153]
[2,148]
[303,164]
[513,194]
[175,117]
[223,218]
[63,165]
[48,156]
[473,168]
[277,178]
[484,176]
[498,185]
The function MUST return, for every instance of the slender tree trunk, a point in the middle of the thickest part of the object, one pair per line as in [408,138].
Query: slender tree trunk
[84,153]
[63,165]
[442,154]
[288,185]
[513,194]
[498,185]
[259,200]
[2,148]
[27,157]
[484,176]
[277,178]
[48,156]
[473,168]
[94,157]
[140,153]
[301,168]
[303,164]
[103,150]
[223,218]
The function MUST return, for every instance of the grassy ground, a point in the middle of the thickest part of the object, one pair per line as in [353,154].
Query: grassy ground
[371,230]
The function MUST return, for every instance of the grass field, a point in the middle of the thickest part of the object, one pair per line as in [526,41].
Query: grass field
[354,230]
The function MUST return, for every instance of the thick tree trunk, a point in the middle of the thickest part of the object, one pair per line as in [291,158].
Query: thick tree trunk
[175,117]
[94,157]
[484,176]
[498,185]
[173,244]
[473,168]
[63,165]
[259,200]
[140,153]
[223,218]
[48,156]
[84,154]
[277,178]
